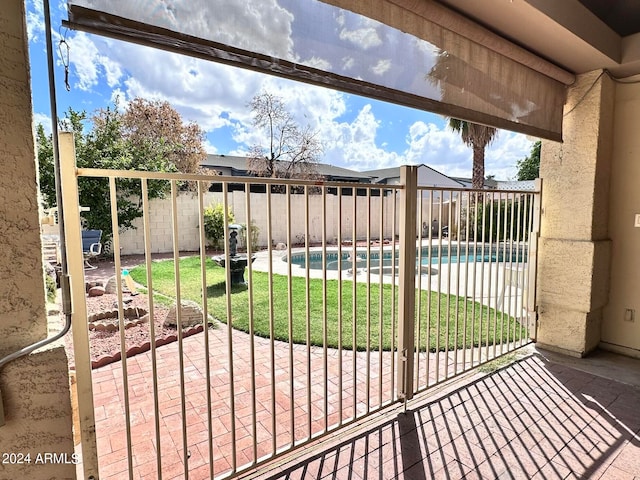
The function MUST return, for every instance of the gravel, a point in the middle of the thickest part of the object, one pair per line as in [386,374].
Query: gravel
[105,343]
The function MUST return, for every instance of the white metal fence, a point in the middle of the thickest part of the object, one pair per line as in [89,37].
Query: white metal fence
[336,332]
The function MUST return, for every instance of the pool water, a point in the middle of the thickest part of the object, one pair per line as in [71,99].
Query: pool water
[317,260]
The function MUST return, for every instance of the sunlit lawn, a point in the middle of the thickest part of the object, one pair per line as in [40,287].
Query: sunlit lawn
[310,315]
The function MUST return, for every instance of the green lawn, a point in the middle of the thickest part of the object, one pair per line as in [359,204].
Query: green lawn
[191,288]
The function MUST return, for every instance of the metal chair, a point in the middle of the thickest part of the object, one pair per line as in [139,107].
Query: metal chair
[91,246]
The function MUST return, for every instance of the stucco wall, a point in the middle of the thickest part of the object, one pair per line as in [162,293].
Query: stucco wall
[22,287]
[624,204]
[35,388]
[35,391]
[574,254]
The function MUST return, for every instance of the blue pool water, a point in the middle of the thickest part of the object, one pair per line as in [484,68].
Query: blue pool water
[317,260]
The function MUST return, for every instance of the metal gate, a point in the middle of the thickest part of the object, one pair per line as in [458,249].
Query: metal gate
[389,291]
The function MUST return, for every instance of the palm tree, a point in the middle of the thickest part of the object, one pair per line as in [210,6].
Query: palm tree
[478,137]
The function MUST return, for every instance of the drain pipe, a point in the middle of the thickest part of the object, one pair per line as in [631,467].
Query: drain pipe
[64,278]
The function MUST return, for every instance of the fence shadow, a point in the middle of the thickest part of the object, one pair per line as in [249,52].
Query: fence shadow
[530,419]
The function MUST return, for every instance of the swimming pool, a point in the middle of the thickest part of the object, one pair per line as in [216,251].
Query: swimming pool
[430,256]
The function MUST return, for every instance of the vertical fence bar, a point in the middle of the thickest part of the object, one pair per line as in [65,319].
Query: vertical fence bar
[450,271]
[532,258]
[504,281]
[80,329]
[381,298]
[492,204]
[501,259]
[393,292]
[475,196]
[517,306]
[430,294]
[176,266]
[154,362]
[307,305]
[292,403]
[252,346]
[272,348]
[340,313]
[459,255]
[368,309]
[113,199]
[227,260]
[482,262]
[511,237]
[325,351]
[419,287]
[439,290]
[354,303]
[467,233]
[205,321]
[407,286]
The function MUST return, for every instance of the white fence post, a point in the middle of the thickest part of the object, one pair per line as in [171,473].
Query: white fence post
[80,327]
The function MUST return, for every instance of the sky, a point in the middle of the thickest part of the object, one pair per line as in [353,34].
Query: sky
[358,133]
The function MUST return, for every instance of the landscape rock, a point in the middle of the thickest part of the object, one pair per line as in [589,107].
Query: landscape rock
[281,246]
[96,291]
[191,315]
[111,285]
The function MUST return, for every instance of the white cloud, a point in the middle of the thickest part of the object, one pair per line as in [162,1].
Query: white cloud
[443,149]
[240,24]
[364,34]
[90,64]
[381,67]
[353,144]
[319,63]
[35,20]
[44,120]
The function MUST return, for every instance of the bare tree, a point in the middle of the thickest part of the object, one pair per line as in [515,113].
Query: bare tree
[292,152]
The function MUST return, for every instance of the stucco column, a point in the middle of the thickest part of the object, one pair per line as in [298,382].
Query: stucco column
[574,261]
[34,388]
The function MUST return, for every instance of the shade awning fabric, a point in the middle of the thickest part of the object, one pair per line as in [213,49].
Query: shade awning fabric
[414,53]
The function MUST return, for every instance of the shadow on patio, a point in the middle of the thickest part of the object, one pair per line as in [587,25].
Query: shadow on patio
[542,417]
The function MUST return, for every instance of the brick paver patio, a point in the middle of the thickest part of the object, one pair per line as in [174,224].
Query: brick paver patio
[533,419]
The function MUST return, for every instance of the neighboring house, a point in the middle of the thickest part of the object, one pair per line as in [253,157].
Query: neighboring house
[427,177]
[238,167]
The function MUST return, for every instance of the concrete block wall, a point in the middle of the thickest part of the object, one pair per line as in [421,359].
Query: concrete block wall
[160,219]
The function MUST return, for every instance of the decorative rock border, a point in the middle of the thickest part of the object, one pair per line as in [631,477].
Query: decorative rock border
[132,316]
[146,346]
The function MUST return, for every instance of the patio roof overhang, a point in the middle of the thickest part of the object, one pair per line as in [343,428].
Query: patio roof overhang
[410,53]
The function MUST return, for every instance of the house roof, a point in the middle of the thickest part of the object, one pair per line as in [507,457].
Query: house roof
[523,185]
[384,174]
[239,167]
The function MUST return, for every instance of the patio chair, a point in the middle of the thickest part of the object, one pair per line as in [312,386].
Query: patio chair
[91,246]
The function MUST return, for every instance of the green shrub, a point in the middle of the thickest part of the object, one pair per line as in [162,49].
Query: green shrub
[504,220]
[214,223]
[50,284]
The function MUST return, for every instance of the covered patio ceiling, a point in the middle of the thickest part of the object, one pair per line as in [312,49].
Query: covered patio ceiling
[578,35]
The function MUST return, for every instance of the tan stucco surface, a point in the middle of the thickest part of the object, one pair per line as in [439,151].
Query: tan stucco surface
[34,388]
[22,286]
[625,203]
[575,250]
[37,405]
